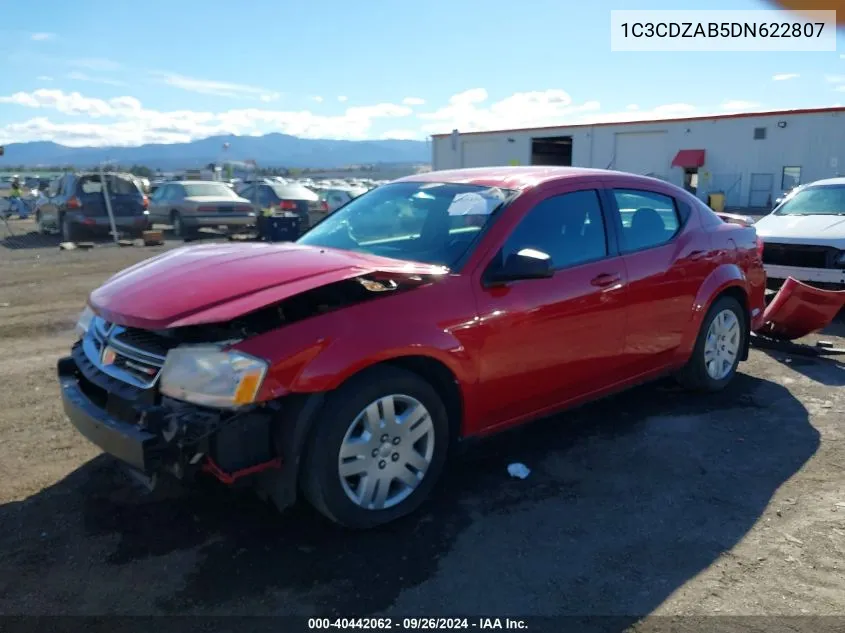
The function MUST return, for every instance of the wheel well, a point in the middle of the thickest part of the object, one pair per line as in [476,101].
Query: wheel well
[740,295]
[443,381]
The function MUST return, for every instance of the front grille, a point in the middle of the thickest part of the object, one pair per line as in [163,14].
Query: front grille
[800,255]
[131,355]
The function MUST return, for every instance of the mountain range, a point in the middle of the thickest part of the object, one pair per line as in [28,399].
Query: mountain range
[270,150]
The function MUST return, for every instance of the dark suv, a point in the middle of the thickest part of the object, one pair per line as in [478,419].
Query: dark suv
[76,206]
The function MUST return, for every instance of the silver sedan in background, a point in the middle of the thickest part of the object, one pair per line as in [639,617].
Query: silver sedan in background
[191,205]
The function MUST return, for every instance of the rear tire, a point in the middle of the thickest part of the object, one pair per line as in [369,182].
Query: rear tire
[718,348]
[70,232]
[176,222]
[39,224]
[387,449]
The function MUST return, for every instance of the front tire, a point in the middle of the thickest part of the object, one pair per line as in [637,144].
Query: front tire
[717,351]
[377,449]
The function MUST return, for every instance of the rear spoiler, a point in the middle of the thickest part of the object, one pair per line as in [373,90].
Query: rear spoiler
[733,218]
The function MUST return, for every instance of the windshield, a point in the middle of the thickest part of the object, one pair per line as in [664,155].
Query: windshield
[217,189]
[821,200]
[433,223]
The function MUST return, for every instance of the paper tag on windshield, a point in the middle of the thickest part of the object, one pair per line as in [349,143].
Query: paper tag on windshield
[472,204]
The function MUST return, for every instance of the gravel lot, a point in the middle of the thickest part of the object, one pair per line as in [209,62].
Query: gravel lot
[652,502]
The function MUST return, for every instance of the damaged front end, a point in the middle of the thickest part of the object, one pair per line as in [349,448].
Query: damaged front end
[119,391]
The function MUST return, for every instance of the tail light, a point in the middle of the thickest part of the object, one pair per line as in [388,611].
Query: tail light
[324,206]
[146,202]
[73,203]
[288,205]
[760,246]
[207,209]
[89,221]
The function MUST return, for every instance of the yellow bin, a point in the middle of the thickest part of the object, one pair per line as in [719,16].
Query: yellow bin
[716,201]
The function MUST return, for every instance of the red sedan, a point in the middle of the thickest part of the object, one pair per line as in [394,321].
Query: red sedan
[441,306]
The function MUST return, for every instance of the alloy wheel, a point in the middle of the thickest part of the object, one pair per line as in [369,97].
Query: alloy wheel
[386,452]
[721,347]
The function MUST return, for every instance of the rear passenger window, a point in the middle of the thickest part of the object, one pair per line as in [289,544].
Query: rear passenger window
[649,219]
[569,228]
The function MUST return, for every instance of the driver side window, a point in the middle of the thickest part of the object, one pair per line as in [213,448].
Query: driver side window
[569,228]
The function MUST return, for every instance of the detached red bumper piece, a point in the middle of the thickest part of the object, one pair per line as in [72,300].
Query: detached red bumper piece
[798,310]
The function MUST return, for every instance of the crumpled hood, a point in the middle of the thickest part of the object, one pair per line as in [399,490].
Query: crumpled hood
[212,283]
[821,230]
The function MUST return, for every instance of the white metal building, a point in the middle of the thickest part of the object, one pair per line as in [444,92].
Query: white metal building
[751,158]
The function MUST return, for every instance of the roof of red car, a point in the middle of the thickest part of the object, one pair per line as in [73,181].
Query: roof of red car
[504,177]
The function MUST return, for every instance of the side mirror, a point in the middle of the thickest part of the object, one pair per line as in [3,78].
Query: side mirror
[526,264]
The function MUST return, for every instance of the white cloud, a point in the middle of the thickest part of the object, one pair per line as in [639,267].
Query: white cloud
[343,99]
[215,88]
[40,37]
[403,135]
[738,105]
[44,78]
[471,111]
[318,99]
[78,76]
[834,79]
[94,63]
[124,121]
[785,76]
[466,111]
[413,101]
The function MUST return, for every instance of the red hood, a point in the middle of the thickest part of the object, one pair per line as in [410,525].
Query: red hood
[212,283]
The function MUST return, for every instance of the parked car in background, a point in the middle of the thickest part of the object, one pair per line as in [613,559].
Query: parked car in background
[348,368]
[805,236]
[76,207]
[274,198]
[190,205]
[337,197]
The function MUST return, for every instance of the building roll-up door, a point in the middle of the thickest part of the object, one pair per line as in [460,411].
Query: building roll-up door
[643,153]
[480,153]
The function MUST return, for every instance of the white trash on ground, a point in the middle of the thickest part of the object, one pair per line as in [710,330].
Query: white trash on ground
[521,471]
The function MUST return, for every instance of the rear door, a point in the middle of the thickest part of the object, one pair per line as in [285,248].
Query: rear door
[667,262]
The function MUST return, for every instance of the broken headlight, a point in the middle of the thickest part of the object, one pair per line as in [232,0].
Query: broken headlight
[86,317]
[209,376]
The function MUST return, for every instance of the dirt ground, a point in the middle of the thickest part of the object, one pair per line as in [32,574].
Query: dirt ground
[652,502]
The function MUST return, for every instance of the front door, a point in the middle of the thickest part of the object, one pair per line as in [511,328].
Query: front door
[550,341]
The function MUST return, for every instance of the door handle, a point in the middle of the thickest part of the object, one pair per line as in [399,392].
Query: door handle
[605,279]
[697,255]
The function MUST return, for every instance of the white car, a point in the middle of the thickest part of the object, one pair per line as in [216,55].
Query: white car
[337,197]
[804,236]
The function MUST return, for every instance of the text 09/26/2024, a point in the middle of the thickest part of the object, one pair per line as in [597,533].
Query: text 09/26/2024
[416,624]
[729,30]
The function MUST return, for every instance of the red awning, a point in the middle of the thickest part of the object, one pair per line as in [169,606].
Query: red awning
[689,158]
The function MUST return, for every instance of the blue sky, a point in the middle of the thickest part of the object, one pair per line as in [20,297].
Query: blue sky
[116,73]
